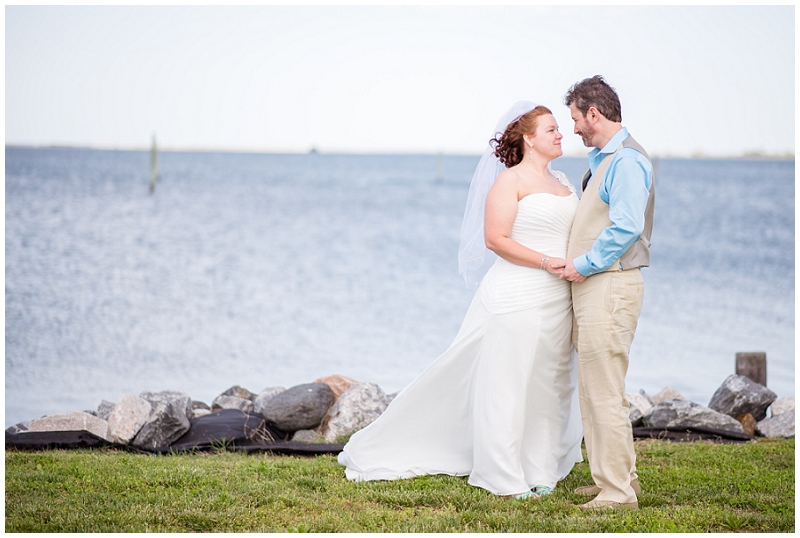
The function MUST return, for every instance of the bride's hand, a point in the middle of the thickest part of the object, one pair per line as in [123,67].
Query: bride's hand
[556,266]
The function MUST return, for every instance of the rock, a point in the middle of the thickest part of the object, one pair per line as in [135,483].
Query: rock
[748,423]
[778,426]
[667,393]
[356,409]
[238,392]
[199,405]
[338,384]
[104,409]
[232,402]
[71,422]
[781,406]
[260,401]
[739,395]
[643,393]
[169,419]
[127,418]
[679,413]
[19,427]
[300,408]
[639,405]
[306,436]
[201,413]
[181,399]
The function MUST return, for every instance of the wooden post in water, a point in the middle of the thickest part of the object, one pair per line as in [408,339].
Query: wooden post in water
[752,365]
[154,172]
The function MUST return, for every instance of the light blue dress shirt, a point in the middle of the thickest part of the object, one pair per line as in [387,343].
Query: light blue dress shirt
[625,188]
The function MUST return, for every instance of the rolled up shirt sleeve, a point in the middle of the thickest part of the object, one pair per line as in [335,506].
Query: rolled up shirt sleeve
[625,189]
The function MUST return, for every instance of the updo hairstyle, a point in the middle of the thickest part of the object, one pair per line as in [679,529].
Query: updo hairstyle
[509,147]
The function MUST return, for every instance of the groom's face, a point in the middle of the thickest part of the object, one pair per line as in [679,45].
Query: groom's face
[583,127]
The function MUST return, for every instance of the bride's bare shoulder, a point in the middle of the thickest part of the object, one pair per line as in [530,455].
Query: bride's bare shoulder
[507,178]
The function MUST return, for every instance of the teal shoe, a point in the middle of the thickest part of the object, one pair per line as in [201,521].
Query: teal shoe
[540,491]
[537,493]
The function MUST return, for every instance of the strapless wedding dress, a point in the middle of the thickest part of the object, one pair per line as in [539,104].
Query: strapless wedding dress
[500,405]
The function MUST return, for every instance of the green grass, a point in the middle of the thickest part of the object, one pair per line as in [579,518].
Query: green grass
[688,487]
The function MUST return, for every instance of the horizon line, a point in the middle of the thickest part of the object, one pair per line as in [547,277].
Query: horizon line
[314,150]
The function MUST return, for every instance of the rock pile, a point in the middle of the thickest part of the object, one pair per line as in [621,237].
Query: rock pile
[331,408]
[739,405]
[328,410]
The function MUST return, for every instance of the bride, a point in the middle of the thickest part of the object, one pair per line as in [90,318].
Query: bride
[500,404]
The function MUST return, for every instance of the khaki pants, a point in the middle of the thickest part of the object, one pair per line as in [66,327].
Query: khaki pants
[607,307]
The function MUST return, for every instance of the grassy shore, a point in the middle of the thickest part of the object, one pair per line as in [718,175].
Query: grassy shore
[689,487]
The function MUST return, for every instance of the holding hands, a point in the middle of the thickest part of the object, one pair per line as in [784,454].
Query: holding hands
[564,269]
[555,266]
[570,273]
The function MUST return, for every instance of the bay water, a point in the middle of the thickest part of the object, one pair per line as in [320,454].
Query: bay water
[266,270]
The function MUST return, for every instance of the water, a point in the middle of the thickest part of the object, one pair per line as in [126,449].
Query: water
[272,270]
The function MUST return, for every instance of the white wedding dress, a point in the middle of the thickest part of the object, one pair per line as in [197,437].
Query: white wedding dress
[501,404]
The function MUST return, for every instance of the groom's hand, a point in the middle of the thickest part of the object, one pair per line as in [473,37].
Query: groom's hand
[572,274]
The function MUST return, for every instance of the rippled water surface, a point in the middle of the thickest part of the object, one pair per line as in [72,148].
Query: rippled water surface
[262,270]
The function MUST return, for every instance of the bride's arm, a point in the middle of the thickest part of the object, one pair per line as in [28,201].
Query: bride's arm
[501,210]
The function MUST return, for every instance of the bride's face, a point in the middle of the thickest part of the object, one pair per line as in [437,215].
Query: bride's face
[547,139]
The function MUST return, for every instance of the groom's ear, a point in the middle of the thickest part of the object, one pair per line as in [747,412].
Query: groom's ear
[593,115]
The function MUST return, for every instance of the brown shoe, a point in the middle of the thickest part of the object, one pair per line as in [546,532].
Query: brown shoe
[611,505]
[591,491]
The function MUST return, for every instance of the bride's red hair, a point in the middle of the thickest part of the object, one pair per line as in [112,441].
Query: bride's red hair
[509,147]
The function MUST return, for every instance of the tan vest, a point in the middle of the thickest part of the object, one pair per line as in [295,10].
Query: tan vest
[592,217]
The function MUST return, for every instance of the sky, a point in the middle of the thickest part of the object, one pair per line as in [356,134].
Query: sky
[709,81]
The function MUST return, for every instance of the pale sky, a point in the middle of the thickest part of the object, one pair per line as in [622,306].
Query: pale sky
[710,80]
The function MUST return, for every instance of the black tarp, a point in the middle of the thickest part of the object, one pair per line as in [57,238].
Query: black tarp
[232,429]
[228,429]
[691,434]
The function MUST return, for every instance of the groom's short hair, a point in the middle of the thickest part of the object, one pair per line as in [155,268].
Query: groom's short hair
[595,92]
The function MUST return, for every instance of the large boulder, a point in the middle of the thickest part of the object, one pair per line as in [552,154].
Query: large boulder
[299,408]
[260,401]
[685,414]
[739,395]
[127,418]
[169,419]
[781,406]
[355,409]
[231,402]
[639,405]
[71,422]
[778,426]
[339,384]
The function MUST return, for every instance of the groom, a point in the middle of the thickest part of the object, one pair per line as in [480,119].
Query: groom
[609,242]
